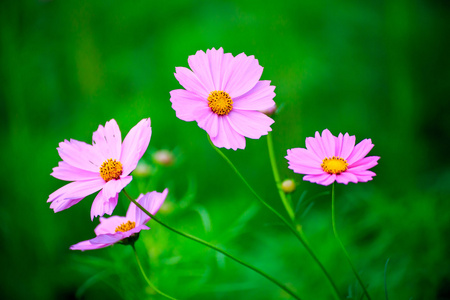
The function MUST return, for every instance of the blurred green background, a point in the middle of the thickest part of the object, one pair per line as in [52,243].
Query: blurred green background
[375,69]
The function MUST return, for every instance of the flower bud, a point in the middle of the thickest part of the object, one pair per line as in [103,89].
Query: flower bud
[142,169]
[288,186]
[164,158]
[269,111]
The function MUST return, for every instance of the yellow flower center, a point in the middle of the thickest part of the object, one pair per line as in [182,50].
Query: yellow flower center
[220,102]
[334,165]
[111,169]
[124,227]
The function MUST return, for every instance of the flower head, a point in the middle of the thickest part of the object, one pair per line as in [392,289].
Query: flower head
[124,229]
[328,158]
[224,95]
[105,165]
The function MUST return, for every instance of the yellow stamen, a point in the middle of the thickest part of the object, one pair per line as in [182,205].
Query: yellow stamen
[111,169]
[334,165]
[220,102]
[124,227]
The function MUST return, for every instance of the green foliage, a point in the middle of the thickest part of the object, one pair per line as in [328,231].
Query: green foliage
[376,69]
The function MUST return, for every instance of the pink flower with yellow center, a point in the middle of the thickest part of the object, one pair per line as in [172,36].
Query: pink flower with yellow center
[328,158]
[224,95]
[105,165]
[124,229]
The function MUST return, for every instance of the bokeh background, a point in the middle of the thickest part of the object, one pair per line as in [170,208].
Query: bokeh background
[375,69]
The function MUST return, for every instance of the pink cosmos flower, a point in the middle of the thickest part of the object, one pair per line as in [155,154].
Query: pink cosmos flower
[104,165]
[224,95]
[328,158]
[124,229]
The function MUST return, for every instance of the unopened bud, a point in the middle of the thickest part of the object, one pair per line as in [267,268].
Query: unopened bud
[288,186]
[269,111]
[163,157]
[142,169]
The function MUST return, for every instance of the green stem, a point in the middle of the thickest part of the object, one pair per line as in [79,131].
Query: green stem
[145,276]
[289,225]
[200,241]
[276,176]
[333,220]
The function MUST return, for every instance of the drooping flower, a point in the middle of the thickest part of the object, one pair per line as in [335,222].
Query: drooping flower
[105,165]
[124,229]
[224,95]
[328,158]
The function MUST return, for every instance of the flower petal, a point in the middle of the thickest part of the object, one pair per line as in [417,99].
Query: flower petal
[328,143]
[252,124]
[241,75]
[191,82]
[360,151]
[67,172]
[303,157]
[314,145]
[365,163]
[108,140]
[260,97]
[80,155]
[201,66]
[108,239]
[187,104]
[109,225]
[323,179]
[87,245]
[227,137]
[346,177]
[73,193]
[151,202]
[344,145]
[208,121]
[135,144]
[218,63]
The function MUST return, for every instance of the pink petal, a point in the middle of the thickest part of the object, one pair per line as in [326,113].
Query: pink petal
[106,200]
[191,82]
[135,145]
[252,124]
[80,155]
[187,104]
[151,202]
[108,239]
[260,97]
[304,157]
[67,172]
[60,204]
[360,151]
[314,145]
[241,75]
[76,190]
[219,63]
[328,143]
[347,145]
[208,121]
[227,137]
[108,140]
[200,65]
[323,179]
[362,173]
[365,163]
[87,245]
[346,177]
[109,225]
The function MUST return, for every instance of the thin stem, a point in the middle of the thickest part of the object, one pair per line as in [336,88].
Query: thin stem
[145,276]
[276,176]
[200,241]
[333,220]
[385,281]
[288,224]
